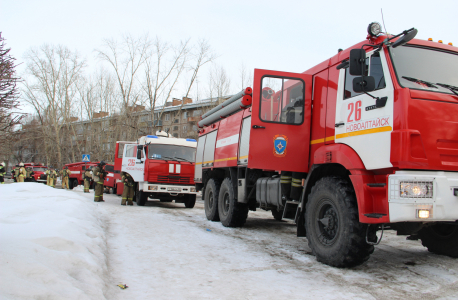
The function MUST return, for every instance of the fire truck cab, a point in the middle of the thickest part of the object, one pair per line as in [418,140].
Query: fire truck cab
[369,137]
[161,166]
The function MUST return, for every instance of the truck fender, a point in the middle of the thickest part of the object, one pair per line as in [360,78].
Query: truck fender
[339,160]
[339,154]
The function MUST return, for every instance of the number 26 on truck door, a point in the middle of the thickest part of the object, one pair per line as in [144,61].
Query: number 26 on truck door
[356,108]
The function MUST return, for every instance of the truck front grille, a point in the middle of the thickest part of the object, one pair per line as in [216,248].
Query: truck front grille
[170,179]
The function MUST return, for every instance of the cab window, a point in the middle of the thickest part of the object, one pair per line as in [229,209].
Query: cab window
[373,68]
[282,100]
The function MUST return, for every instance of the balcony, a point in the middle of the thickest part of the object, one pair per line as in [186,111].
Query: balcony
[193,119]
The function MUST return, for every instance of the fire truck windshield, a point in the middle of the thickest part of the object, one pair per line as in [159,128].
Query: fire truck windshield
[425,68]
[39,169]
[171,152]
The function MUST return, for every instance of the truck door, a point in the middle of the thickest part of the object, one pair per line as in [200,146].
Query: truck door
[130,164]
[280,125]
[359,123]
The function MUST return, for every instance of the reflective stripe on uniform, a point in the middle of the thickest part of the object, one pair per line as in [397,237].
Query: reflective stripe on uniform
[296,182]
[285,179]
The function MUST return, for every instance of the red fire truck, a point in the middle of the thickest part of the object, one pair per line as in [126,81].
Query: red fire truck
[77,169]
[161,166]
[369,137]
[77,175]
[112,178]
[38,171]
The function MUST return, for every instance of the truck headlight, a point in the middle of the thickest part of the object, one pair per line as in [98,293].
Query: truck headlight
[416,189]
[193,189]
[152,187]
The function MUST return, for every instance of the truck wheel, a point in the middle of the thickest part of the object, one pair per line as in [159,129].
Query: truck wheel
[74,183]
[141,197]
[440,239]
[334,233]
[190,201]
[231,213]
[211,200]
[278,215]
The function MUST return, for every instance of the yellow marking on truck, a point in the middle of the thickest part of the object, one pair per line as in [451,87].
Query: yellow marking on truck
[329,138]
[225,159]
[242,157]
[366,131]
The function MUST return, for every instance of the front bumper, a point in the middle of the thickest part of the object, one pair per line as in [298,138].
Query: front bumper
[168,189]
[442,204]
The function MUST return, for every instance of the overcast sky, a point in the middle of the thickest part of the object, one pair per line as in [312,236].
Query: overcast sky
[279,35]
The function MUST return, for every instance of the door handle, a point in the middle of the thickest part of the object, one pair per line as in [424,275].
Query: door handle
[339,124]
[258,127]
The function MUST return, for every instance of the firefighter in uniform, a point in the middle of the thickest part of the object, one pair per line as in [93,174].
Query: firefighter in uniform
[48,176]
[291,185]
[2,173]
[16,173]
[128,192]
[64,175]
[28,177]
[87,180]
[98,174]
[22,173]
[53,175]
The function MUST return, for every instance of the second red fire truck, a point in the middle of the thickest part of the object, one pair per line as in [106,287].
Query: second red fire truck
[161,166]
[364,142]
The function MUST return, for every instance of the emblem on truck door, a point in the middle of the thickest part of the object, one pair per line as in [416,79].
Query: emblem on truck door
[280,143]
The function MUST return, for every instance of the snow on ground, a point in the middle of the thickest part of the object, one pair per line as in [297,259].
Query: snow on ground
[52,244]
[59,244]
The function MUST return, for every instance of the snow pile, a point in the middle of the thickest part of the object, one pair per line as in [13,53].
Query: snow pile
[52,245]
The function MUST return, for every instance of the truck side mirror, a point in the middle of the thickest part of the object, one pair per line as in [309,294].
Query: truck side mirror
[405,38]
[363,84]
[139,151]
[357,61]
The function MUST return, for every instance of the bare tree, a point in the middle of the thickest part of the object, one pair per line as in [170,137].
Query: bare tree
[8,98]
[219,83]
[246,78]
[163,70]
[50,89]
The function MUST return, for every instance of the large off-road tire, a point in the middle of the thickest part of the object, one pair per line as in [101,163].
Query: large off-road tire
[211,200]
[190,201]
[440,239]
[74,184]
[334,233]
[231,213]
[140,197]
[278,215]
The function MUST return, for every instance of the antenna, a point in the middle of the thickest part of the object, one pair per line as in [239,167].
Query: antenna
[383,21]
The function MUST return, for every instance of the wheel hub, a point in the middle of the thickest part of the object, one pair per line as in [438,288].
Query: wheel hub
[210,200]
[327,224]
[226,203]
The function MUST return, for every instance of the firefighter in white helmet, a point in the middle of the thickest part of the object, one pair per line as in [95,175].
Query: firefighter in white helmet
[22,173]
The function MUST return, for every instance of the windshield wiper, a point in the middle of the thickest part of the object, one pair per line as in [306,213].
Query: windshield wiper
[452,88]
[183,159]
[428,84]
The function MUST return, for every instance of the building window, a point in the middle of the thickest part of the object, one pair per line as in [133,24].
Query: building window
[196,113]
[167,117]
[185,115]
[185,128]
[175,135]
[175,128]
